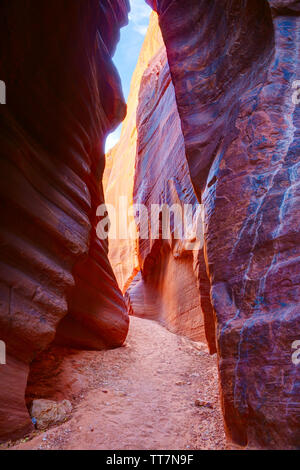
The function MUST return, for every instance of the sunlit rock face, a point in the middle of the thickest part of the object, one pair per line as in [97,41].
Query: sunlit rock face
[148,166]
[63,97]
[233,65]
[118,178]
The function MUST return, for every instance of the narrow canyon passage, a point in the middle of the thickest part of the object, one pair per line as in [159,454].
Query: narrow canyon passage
[149,238]
[140,396]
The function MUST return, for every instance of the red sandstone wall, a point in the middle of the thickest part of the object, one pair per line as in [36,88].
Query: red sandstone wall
[148,166]
[118,178]
[63,97]
[232,64]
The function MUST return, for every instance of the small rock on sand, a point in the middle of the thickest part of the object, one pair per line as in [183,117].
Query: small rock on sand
[199,402]
[48,413]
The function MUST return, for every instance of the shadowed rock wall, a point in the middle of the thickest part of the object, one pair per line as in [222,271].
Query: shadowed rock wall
[63,97]
[148,167]
[232,65]
[118,178]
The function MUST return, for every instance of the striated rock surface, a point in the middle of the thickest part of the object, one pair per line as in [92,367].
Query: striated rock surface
[233,65]
[215,120]
[63,97]
[147,167]
[118,178]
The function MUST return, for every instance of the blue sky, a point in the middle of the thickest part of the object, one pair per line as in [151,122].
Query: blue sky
[128,50]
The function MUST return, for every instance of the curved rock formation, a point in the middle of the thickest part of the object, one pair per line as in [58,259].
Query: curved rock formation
[167,287]
[118,178]
[148,166]
[63,97]
[232,65]
[216,124]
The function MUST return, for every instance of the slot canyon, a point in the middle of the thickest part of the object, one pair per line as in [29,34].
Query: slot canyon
[133,332]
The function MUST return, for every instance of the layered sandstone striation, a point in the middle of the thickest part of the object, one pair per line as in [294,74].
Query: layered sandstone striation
[148,167]
[233,65]
[63,97]
[118,178]
[211,119]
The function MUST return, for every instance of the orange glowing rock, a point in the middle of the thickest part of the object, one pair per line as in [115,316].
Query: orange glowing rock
[148,166]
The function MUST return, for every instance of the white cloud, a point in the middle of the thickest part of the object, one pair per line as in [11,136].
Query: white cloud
[140,29]
[139,16]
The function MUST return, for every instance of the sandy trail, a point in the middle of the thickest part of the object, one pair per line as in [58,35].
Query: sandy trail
[141,396]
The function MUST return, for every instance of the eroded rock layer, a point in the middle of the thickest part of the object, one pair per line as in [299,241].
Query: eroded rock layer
[148,167]
[233,65]
[63,97]
[118,178]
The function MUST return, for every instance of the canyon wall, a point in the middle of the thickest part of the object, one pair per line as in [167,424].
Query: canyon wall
[148,167]
[233,64]
[118,178]
[63,97]
[211,119]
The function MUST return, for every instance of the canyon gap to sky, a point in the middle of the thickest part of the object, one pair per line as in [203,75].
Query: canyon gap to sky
[127,53]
